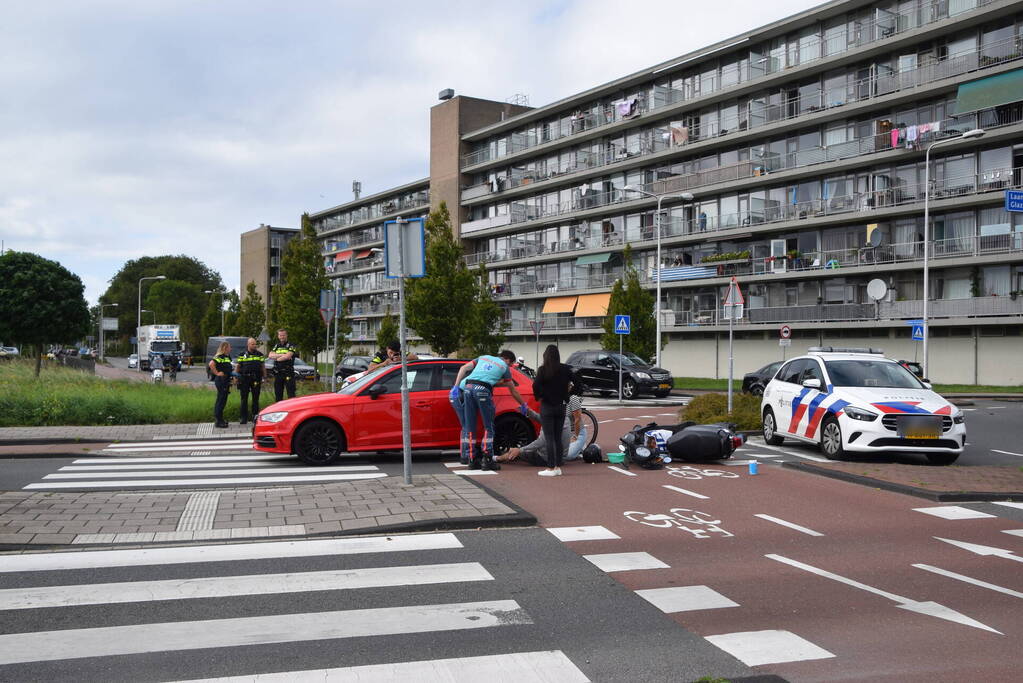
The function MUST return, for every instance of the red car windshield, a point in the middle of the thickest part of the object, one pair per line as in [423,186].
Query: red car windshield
[364,381]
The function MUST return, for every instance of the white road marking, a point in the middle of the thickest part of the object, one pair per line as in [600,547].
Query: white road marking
[169,466]
[929,608]
[117,460]
[91,474]
[1014,532]
[285,628]
[604,421]
[967,579]
[685,491]
[685,598]
[754,648]
[792,453]
[782,522]
[978,549]
[453,465]
[201,482]
[95,559]
[1010,504]
[157,449]
[473,473]
[229,586]
[528,667]
[189,443]
[582,533]
[995,450]
[198,535]
[619,470]
[625,562]
[953,512]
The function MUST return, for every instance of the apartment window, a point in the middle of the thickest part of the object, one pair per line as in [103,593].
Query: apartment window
[835,37]
[997,43]
[953,284]
[996,280]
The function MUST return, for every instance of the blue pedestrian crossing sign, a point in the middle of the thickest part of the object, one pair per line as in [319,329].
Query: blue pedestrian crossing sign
[918,331]
[623,323]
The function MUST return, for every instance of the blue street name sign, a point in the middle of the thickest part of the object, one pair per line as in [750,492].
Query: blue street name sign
[1014,200]
[623,324]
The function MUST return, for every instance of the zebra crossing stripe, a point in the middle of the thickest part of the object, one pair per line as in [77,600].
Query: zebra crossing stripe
[184,473]
[200,482]
[112,641]
[232,586]
[116,465]
[187,443]
[141,557]
[112,461]
[528,667]
[156,449]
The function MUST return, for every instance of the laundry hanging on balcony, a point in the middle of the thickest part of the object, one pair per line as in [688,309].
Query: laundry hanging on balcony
[679,135]
[626,107]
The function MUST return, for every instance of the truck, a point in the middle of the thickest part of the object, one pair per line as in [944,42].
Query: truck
[162,339]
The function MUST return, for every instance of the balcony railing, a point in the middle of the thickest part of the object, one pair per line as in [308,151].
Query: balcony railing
[951,187]
[884,26]
[348,266]
[565,284]
[419,200]
[658,139]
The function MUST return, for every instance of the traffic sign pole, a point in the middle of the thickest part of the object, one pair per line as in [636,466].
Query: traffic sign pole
[733,303]
[623,326]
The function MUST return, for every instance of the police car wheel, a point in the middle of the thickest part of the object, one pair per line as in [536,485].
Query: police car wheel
[831,440]
[771,429]
[319,442]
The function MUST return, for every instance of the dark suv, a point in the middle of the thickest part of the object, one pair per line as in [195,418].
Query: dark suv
[597,370]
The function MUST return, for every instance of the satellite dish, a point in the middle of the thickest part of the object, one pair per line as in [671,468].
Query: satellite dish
[876,289]
[876,238]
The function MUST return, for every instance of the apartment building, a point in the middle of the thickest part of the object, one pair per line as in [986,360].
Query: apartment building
[261,252]
[791,158]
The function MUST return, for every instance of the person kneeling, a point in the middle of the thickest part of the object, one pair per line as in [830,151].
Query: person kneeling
[535,453]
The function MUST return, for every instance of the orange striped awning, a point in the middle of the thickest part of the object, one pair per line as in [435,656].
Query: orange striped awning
[592,305]
[560,304]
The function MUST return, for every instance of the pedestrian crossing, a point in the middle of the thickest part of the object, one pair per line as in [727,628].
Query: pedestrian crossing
[348,597]
[163,472]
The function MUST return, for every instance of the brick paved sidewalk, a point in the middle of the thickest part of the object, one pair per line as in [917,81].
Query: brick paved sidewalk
[950,483]
[201,430]
[444,501]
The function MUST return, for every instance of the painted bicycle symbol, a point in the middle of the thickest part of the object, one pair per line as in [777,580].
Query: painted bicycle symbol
[690,472]
[679,518]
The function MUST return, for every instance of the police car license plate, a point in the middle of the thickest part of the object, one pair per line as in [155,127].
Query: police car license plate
[663,386]
[919,426]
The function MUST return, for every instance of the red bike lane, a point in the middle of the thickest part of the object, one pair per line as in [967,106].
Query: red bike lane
[820,587]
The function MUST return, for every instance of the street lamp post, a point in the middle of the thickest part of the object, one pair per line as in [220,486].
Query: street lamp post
[221,292]
[970,134]
[138,319]
[685,196]
[102,350]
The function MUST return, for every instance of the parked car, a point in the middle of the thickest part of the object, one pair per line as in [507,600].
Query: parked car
[597,370]
[914,367]
[10,350]
[133,360]
[754,382]
[858,401]
[303,370]
[366,415]
[351,365]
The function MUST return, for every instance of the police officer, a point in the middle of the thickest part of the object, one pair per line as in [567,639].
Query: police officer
[220,368]
[251,369]
[283,356]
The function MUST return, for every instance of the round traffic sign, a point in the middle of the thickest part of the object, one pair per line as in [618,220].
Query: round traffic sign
[785,332]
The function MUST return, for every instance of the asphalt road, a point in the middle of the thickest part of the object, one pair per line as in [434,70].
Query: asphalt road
[504,591]
[193,375]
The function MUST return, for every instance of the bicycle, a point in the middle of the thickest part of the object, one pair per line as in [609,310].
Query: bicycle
[690,472]
[589,421]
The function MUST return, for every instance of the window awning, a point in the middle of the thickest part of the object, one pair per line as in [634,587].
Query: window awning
[343,256]
[593,258]
[560,304]
[990,92]
[592,305]
[365,253]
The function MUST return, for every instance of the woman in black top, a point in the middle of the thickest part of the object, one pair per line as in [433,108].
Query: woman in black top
[552,386]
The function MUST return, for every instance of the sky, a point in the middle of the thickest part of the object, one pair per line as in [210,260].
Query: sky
[132,129]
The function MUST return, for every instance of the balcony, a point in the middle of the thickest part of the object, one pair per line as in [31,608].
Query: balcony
[375,212]
[884,26]
[565,284]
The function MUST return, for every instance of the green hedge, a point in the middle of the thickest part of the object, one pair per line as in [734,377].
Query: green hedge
[710,408]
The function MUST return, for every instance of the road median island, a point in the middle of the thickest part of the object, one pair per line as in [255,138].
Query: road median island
[942,484]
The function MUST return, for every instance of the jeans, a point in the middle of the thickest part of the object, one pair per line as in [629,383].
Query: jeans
[223,385]
[466,438]
[575,449]
[479,400]
[552,421]
[248,385]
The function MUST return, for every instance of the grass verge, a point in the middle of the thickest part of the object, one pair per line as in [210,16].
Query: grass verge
[710,384]
[60,396]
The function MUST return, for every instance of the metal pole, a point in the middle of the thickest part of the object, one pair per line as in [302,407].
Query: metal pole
[536,330]
[337,318]
[731,358]
[138,324]
[927,231]
[221,313]
[620,343]
[657,305]
[406,437]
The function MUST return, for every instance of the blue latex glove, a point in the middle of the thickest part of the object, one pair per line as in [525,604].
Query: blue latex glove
[456,393]
[524,409]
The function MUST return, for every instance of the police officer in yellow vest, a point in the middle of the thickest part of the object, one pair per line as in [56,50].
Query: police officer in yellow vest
[251,369]
[283,355]
[220,368]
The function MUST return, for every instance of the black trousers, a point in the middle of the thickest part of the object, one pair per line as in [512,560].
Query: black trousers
[284,381]
[246,386]
[552,422]
[223,385]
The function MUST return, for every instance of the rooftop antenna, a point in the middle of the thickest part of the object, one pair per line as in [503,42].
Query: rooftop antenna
[356,188]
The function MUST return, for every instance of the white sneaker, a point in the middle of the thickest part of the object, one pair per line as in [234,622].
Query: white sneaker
[556,472]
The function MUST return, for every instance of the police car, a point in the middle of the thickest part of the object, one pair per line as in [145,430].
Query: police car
[858,401]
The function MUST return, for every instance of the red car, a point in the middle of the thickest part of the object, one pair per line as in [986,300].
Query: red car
[366,415]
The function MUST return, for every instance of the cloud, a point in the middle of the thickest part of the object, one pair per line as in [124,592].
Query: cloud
[132,129]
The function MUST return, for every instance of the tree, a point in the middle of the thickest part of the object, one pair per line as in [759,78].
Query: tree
[438,305]
[251,313]
[485,325]
[41,302]
[304,277]
[389,330]
[629,298]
